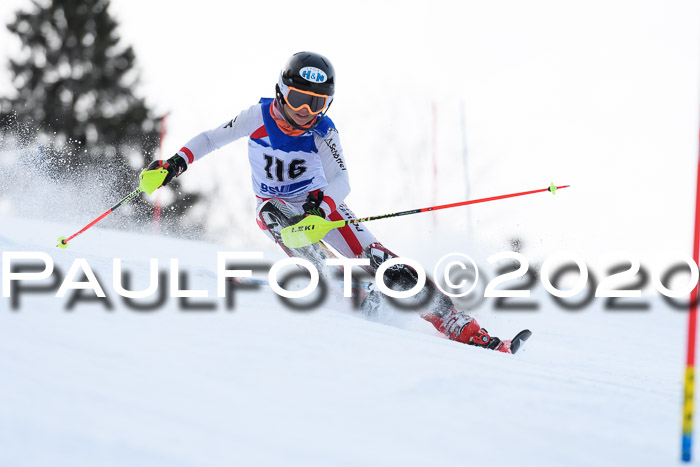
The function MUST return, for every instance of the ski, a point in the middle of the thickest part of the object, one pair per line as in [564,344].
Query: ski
[507,346]
[519,340]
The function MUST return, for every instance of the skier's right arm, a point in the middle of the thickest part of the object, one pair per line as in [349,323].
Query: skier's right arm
[208,141]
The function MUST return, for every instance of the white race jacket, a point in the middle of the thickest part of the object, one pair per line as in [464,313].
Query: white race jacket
[282,166]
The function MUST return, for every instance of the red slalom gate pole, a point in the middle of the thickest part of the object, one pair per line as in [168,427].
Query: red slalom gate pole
[689,380]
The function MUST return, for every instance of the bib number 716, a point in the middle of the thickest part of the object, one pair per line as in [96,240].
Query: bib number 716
[295,169]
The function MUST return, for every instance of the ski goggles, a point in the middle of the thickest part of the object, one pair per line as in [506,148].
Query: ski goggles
[298,98]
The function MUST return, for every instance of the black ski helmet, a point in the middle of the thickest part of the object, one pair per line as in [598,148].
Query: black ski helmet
[306,71]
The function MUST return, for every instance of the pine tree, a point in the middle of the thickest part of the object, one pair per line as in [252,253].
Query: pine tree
[75,86]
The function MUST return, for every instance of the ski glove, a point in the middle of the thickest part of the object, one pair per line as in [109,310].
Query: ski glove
[175,166]
[312,207]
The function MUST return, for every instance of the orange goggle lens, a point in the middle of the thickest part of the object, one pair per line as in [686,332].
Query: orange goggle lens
[296,99]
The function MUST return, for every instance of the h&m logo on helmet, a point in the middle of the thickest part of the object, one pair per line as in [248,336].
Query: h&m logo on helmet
[313,74]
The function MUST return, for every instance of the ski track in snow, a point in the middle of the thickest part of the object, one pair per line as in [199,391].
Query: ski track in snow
[262,385]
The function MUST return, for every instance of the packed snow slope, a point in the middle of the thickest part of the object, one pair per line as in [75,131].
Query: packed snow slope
[262,385]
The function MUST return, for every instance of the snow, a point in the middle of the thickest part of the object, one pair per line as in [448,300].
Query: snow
[267,386]
[505,97]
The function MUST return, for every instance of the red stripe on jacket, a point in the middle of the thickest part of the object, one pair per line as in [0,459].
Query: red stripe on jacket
[259,133]
[348,234]
[331,204]
[188,153]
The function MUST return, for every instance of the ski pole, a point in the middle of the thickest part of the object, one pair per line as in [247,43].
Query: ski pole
[312,229]
[150,181]
[63,241]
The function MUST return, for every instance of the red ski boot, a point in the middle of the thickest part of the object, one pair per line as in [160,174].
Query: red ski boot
[459,326]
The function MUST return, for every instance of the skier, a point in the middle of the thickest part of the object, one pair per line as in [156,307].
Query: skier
[298,169]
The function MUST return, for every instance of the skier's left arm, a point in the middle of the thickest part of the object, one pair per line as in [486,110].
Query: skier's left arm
[338,188]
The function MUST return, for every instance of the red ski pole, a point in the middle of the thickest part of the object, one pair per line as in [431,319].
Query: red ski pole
[151,180]
[63,241]
[313,228]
